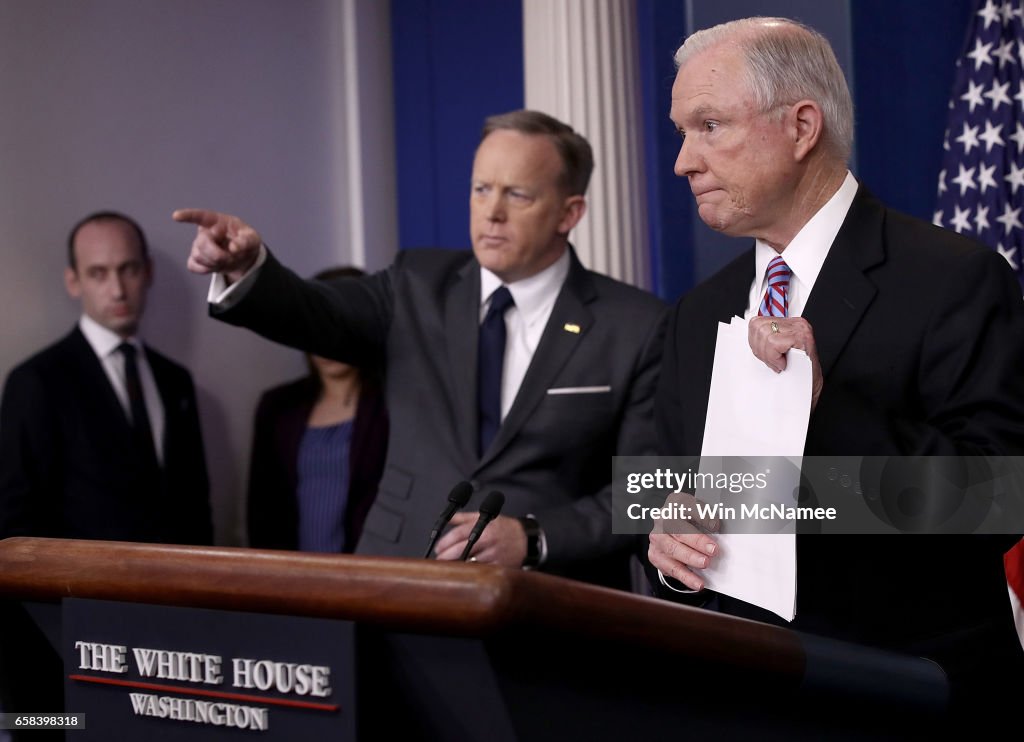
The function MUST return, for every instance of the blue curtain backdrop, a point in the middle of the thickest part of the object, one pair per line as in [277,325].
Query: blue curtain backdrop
[904,54]
[458,61]
[455,62]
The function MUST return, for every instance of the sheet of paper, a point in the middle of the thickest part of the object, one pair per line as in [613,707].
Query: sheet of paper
[754,411]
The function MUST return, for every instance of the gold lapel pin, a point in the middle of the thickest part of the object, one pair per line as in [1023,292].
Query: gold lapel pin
[571,327]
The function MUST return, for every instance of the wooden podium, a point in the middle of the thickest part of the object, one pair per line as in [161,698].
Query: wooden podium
[468,651]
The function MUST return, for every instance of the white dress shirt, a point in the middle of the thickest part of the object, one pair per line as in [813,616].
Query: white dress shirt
[104,344]
[534,299]
[805,253]
[223,296]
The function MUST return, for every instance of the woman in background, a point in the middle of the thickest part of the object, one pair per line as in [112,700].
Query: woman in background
[318,452]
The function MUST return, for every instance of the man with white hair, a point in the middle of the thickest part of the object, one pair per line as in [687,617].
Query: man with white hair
[915,336]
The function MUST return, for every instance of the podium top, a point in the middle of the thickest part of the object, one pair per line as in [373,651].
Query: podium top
[454,599]
[416,596]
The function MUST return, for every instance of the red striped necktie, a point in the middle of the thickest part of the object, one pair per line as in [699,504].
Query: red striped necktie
[776,297]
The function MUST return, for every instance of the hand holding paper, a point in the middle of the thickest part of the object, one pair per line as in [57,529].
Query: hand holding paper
[755,409]
[771,338]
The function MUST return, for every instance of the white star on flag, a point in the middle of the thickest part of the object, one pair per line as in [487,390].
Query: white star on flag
[973,96]
[1010,218]
[985,179]
[980,55]
[990,13]
[969,138]
[1015,178]
[997,94]
[1018,137]
[1009,255]
[991,136]
[981,219]
[965,179]
[962,220]
[1005,53]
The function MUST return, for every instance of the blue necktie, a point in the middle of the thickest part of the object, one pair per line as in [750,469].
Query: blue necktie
[490,359]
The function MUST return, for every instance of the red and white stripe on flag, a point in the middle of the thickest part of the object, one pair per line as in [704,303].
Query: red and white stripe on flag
[1013,560]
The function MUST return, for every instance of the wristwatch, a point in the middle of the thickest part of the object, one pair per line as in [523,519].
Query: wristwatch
[536,544]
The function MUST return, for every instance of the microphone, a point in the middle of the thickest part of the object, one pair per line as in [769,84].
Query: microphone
[489,510]
[457,499]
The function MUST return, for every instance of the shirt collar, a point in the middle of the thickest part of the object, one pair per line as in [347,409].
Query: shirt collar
[103,341]
[532,294]
[806,252]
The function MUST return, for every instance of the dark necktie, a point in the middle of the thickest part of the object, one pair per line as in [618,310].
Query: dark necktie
[776,296]
[490,360]
[137,404]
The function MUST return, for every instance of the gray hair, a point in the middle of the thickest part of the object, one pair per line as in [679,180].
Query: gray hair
[786,62]
[577,156]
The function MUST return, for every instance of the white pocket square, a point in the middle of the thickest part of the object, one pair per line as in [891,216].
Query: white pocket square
[580,390]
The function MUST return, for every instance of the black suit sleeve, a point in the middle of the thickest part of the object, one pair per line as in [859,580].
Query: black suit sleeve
[346,319]
[29,459]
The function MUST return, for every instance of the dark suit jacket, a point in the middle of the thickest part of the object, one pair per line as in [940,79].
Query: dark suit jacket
[552,455]
[920,334]
[66,464]
[281,418]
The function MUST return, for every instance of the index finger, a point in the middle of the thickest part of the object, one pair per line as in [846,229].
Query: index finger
[200,217]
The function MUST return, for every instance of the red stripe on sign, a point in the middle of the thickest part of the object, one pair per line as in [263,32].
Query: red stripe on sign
[209,693]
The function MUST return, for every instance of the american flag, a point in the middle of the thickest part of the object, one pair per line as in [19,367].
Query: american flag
[981,185]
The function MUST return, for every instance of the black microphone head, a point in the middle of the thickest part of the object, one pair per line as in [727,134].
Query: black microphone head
[492,504]
[460,494]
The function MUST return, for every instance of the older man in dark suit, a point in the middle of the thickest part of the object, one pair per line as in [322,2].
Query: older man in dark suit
[915,334]
[99,433]
[512,367]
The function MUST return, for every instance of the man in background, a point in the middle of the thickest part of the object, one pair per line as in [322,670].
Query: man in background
[99,433]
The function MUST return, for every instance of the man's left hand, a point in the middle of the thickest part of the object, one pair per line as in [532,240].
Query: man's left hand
[503,541]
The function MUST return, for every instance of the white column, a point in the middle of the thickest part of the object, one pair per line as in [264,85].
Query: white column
[581,66]
[365,188]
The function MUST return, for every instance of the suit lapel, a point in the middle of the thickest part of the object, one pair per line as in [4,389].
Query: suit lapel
[736,281]
[168,396]
[842,293]
[729,299]
[172,398]
[94,379]
[556,346]
[462,328]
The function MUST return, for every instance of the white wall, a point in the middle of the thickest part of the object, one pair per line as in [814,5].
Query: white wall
[145,106]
